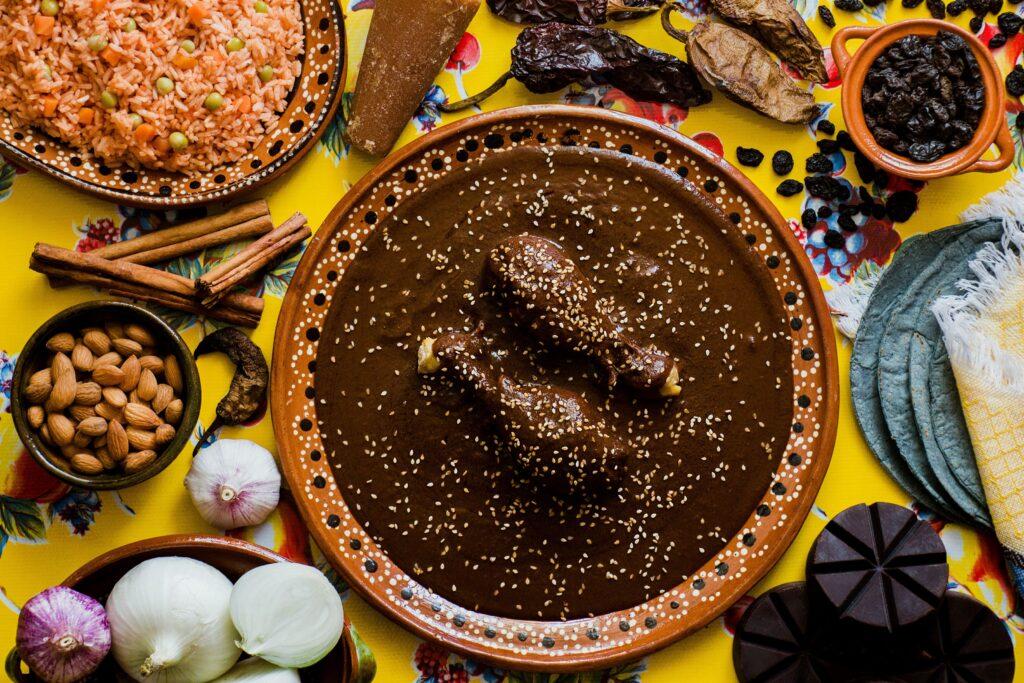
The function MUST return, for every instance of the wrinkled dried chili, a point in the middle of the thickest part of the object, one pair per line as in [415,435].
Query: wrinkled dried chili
[581,12]
[549,57]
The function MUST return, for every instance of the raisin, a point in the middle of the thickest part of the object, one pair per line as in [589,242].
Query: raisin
[994,6]
[826,127]
[901,205]
[845,141]
[788,188]
[1019,121]
[782,162]
[976,24]
[809,219]
[824,211]
[849,5]
[1009,23]
[936,8]
[826,16]
[865,169]
[825,187]
[911,4]
[828,146]
[979,7]
[834,239]
[878,211]
[748,156]
[1015,81]
[997,41]
[847,223]
[819,163]
[956,8]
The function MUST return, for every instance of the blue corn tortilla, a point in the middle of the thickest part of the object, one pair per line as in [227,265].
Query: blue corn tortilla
[913,256]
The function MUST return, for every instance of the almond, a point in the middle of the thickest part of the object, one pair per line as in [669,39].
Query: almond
[44,376]
[82,358]
[86,464]
[80,413]
[37,392]
[114,330]
[140,438]
[112,358]
[127,347]
[117,440]
[154,363]
[62,430]
[132,371]
[93,426]
[88,393]
[138,333]
[97,341]
[61,343]
[103,455]
[147,385]
[109,412]
[115,396]
[164,395]
[164,434]
[139,460]
[108,375]
[172,373]
[81,441]
[63,393]
[100,441]
[173,411]
[44,434]
[36,416]
[61,365]
[141,416]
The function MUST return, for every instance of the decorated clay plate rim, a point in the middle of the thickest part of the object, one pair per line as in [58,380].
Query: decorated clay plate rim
[604,640]
[333,22]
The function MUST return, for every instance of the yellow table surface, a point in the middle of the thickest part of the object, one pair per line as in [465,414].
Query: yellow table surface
[47,530]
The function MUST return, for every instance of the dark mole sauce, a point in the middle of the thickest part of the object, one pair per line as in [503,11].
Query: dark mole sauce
[417,463]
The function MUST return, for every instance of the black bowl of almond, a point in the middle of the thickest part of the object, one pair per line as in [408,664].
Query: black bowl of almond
[105,395]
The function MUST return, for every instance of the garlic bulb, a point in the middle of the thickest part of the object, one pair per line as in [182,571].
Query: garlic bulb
[287,613]
[62,635]
[170,622]
[234,483]
[256,670]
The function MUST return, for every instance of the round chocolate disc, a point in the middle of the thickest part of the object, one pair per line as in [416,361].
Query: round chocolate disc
[878,568]
[966,642]
[774,642]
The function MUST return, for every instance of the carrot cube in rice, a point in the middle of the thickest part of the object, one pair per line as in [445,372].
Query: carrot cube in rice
[86,115]
[43,25]
[197,12]
[49,105]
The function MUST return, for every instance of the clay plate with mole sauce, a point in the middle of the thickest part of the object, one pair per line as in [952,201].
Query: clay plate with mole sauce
[310,106]
[400,477]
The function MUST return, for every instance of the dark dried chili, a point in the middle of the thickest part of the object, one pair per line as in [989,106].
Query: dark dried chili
[580,12]
[549,57]
[248,390]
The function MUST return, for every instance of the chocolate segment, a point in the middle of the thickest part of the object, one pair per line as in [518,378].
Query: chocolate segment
[965,642]
[558,439]
[555,301]
[878,568]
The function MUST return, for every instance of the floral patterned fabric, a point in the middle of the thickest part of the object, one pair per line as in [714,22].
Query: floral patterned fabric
[48,529]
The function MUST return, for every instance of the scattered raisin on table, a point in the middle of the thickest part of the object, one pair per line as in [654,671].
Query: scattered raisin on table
[873,3]
[789,187]
[808,219]
[828,146]
[845,141]
[1015,81]
[865,169]
[849,5]
[911,4]
[994,6]
[847,223]
[901,205]
[956,8]
[826,16]
[819,163]
[1009,23]
[824,211]
[976,24]
[979,7]
[937,8]
[826,127]
[826,187]
[834,239]
[782,162]
[749,156]
[997,41]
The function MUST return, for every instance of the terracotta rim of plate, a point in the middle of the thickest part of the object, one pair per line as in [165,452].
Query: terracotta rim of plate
[992,127]
[518,643]
[323,71]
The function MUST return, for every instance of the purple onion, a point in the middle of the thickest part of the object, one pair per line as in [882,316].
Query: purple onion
[63,635]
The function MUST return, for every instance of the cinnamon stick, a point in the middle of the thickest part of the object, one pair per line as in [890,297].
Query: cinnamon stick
[215,283]
[255,214]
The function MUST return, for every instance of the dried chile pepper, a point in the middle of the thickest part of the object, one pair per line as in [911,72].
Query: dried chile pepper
[781,28]
[248,390]
[739,67]
[549,57]
[580,12]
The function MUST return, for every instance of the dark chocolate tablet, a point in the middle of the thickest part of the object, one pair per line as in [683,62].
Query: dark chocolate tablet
[877,569]
[774,642]
[964,642]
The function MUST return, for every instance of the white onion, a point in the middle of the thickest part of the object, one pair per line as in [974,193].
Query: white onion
[256,670]
[287,613]
[233,483]
[170,622]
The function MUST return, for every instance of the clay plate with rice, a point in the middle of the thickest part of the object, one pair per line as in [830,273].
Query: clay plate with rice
[404,476]
[167,103]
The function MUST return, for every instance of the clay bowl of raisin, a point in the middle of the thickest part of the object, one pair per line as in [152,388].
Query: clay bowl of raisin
[923,99]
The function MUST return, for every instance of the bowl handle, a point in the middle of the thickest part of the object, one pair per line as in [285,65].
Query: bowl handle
[840,55]
[1004,143]
[13,668]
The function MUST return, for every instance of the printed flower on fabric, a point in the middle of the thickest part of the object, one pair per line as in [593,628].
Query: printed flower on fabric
[612,98]
[77,509]
[6,378]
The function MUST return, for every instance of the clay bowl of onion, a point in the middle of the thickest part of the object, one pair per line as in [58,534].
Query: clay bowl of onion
[105,395]
[347,662]
[991,127]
